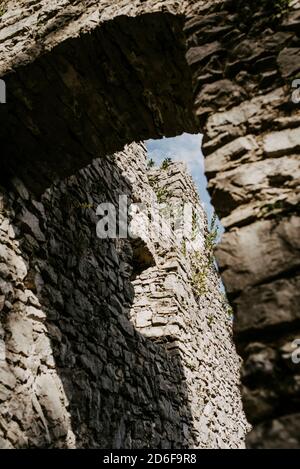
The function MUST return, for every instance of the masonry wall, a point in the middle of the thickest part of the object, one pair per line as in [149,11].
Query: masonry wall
[197,326]
[91,358]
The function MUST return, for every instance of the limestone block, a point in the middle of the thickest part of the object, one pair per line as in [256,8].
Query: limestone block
[254,253]
[143,318]
[21,338]
[277,302]
[282,143]
[225,158]
[280,433]
[288,61]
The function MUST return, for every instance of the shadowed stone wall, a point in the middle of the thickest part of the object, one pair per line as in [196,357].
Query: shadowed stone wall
[94,355]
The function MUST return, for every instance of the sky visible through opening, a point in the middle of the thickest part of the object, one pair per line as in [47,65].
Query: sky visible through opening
[186,148]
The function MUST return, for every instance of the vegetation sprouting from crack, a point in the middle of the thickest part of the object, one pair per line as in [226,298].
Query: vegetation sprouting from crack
[150,163]
[226,305]
[162,193]
[166,163]
[202,262]
[3,7]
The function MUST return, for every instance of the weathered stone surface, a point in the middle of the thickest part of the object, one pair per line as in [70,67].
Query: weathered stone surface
[136,85]
[277,304]
[267,185]
[77,358]
[288,61]
[281,433]
[255,189]
[282,143]
[226,156]
[243,252]
[104,50]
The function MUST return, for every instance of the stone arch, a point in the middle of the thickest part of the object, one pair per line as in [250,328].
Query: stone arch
[233,86]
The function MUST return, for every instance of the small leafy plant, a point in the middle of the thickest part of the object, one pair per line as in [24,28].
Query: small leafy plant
[162,195]
[166,163]
[202,263]
[150,163]
[211,239]
[3,7]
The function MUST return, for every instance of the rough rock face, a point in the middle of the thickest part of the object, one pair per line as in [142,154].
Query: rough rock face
[89,78]
[96,354]
[241,60]
[243,72]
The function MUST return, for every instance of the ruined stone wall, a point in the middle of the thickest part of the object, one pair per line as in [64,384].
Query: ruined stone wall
[242,57]
[91,358]
[197,327]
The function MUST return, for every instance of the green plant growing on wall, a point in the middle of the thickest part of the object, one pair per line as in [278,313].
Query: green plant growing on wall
[202,263]
[211,239]
[166,163]
[210,320]
[230,312]
[3,7]
[281,6]
[226,305]
[150,163]
[191,366]
[152,181]
[199,275]
[162,195]
[195,225]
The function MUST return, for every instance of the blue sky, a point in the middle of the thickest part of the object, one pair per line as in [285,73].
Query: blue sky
[187,148]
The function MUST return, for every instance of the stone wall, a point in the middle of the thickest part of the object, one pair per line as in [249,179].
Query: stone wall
[242,57]
[94,355]
[197,327]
